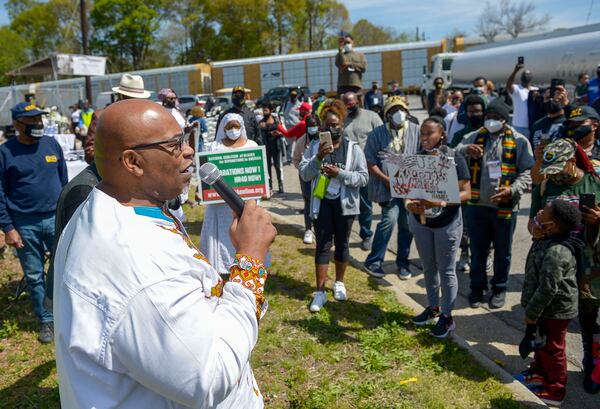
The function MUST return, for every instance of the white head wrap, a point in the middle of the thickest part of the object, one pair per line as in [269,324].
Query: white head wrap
[226,119]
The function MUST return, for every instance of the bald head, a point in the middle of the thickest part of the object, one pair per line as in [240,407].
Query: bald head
[349,98]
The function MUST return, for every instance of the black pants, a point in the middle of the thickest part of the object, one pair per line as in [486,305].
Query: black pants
[588,313]
[331,224]
[274,159]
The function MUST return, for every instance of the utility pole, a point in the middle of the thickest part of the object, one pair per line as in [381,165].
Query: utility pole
[417,36]
[86,51]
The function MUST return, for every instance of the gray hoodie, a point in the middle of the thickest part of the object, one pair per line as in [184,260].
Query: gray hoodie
[352,178]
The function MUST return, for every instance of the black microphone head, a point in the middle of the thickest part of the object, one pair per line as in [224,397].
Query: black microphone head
[209,173]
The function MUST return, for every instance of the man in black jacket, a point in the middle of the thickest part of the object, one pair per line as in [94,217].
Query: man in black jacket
[239,107]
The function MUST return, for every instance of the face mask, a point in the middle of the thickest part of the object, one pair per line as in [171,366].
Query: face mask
[258,118]
[347,47]
[169,104]
[493,125]
[265,115]
[438,86]
[579,132]
[560,178]
[399,117]
[456,102]
[479,90]
[312,130]
[34,130]
[552,107]
[237,101]
[353,110]
[233,134]
[374,88]
[336,133]
[476,121]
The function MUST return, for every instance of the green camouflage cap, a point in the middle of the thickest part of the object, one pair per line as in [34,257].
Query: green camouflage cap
[556,155]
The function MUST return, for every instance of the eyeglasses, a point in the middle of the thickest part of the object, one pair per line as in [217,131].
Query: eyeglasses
[178,142]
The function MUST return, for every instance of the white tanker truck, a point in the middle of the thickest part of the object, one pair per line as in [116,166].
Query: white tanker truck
[559,56]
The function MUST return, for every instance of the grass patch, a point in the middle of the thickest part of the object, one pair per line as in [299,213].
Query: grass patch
[353,354]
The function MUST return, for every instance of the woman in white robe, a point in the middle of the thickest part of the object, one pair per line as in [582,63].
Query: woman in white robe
[215,243]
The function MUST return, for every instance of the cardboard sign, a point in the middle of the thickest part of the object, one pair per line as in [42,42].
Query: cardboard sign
[244,169]
[424,177]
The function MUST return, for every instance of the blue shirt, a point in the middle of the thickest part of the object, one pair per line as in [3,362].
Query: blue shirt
[373,98]
[31,176]
[593,91]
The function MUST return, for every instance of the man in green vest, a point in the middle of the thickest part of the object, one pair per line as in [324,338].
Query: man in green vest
[86,115]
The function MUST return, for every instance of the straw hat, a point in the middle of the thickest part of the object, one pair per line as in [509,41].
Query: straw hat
[132,86]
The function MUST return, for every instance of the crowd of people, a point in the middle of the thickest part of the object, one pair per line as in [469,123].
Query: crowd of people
[129,204]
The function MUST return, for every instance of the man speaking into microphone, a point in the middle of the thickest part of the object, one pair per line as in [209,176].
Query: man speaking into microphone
[141,319]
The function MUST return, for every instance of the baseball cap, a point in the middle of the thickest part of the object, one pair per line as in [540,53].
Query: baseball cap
[556,155]
[293,92]
[305,106]
[581,113]
[24,109]
[238,89]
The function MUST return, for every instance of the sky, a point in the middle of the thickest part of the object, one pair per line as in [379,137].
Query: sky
[439,17]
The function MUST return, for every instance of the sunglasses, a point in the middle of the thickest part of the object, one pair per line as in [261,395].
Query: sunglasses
[179,142]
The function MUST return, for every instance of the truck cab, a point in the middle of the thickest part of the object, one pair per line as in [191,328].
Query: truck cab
[441,66]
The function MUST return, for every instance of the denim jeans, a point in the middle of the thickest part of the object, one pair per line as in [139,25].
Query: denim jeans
[392,213]
[438,249]
[37,233]
[365,218]
[306,195]
[486,228]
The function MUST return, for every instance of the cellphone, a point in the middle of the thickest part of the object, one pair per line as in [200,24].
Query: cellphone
[587,199]
[521,60]
[325,137]
[554,82]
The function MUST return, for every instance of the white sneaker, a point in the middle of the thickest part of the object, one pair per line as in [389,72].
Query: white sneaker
[319,300]
[463,265]
[404,274]
[308,237]
[339,291]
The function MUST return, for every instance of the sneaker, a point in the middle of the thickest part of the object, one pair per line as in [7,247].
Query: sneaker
[530,378]
[548,398]
[404,273]
[429,316]
[497,299]
[365,244]
[444,326]
[589,385]
[281,191]
[463,265]
[46,333]
[339,291]
[308,237]
[376,272]
[476,298]
[319,300]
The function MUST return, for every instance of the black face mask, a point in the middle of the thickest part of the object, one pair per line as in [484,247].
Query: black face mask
[552,107]
[266,115]
[336,133]
[34,130]
[476,121]
[579,132]
[169,104]
[353,110]
[374,88]
[238,101]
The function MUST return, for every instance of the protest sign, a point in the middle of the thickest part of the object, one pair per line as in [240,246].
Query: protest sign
[244,169]
[424,177]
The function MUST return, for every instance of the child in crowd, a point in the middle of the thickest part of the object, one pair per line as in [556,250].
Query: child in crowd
[550,297]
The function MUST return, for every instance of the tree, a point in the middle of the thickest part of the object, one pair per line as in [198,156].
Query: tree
[509,17]
[282,14]
[452,36]
[366,33]
[487,25]
[125,29]
[13,53]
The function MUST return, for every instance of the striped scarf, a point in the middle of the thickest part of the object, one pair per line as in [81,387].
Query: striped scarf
[509,170]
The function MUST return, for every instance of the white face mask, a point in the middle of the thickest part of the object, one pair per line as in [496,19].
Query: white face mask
[493,125]
[233,134]
[347,47]
[312,130]
[399,117]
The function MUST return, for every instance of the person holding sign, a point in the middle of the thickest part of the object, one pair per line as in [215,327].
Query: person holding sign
[500,160]
[215,242]
[437,229]
[337,169]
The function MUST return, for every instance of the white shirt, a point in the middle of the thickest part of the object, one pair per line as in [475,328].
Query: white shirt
[178,116]
[520,110]
[135,323]
[76,116]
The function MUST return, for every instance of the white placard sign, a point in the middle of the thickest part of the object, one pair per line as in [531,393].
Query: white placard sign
[424,177]
[75,64]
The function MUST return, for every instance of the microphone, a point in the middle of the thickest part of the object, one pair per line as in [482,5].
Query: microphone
[210,175]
